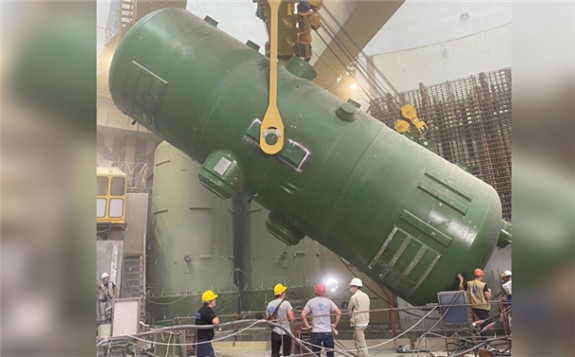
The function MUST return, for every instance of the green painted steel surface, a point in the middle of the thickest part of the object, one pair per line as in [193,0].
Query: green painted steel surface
[272,261]
[400,213]
[191,245]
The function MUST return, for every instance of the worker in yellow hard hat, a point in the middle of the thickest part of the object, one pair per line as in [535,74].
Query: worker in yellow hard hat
[478,295]
[206,316]
[280,312]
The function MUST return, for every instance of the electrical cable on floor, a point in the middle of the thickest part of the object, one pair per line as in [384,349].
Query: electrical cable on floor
[458,338]
[482,343]
[303,344]
[138,336]
[423,318]
[370,347]
[168,348]
[466,341]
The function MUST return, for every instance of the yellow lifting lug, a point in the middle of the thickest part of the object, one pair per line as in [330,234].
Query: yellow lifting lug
[421,127]
[409,113]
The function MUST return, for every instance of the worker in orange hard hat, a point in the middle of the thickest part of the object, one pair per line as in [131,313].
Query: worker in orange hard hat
[206,316]
[478,294]
[321,309]
[281,311]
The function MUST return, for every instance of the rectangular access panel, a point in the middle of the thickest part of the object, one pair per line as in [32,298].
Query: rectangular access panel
[452,306]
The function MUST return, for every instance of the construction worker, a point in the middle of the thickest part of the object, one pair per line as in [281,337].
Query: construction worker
[106,292]
[321,309]
[359,315]
[281,311]
[506,301]
[506,284]
[206,316]
[478,295]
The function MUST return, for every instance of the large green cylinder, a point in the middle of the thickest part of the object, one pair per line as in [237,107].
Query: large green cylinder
[190,248]
[403,215]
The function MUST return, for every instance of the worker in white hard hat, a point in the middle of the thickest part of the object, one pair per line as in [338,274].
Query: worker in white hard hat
[359,315]
[280,311]
[506,292]
[206,316]
[506,284]
[106,292]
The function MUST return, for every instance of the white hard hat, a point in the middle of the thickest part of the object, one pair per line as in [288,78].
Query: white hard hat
[356,282]
[105,275]
[507,273]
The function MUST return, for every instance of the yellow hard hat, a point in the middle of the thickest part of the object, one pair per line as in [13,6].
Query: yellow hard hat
[208,296]
[279,289]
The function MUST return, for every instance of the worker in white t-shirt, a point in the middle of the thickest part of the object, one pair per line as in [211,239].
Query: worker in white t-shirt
[321,310]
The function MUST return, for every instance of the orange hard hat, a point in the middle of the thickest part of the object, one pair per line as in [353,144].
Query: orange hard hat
[478,272]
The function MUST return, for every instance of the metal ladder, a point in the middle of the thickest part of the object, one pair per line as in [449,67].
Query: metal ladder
[133,279]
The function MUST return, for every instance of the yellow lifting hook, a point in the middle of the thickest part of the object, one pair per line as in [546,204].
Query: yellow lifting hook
[272,127]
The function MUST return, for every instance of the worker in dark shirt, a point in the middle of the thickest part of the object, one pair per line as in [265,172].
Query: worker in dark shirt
[206,316]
